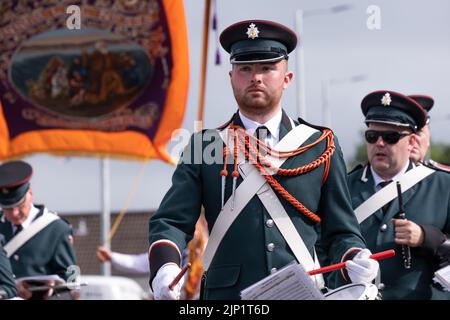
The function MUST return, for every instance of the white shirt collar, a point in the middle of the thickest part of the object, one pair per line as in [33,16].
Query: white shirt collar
[273,125]
[33,213]
[377,179]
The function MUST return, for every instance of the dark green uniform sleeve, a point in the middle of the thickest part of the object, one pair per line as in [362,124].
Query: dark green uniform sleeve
[64,255]
[436,242]
[179,210]
[433,237]
[7,283]
[339,228]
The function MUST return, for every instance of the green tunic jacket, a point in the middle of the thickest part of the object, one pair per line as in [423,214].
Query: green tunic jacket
[428,204]
[244,255]
[48,252]
[7,283]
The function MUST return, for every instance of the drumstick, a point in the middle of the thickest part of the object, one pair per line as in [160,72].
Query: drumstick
[56,286]
[179,276]
[377,256]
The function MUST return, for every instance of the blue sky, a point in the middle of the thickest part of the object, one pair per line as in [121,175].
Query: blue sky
[410,53]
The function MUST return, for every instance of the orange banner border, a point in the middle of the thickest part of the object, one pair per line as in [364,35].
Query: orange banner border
[126,144]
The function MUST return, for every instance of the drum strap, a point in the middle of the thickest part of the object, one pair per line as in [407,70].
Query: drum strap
[287,228]
[388,193]
[22,237]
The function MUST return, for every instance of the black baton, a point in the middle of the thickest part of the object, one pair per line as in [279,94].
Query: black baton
[406,250]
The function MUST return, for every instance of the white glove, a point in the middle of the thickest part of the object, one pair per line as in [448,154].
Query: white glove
[163,278]
[362,269]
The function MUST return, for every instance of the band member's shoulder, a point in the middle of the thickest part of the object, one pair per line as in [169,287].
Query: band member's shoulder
[437,166]
[356,168]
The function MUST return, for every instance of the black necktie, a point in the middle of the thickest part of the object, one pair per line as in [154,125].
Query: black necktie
[18,228]
[261,134]
[383,184]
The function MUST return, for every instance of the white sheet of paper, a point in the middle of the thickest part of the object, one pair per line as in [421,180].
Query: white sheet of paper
[289,283]
[48,277]
[442,276]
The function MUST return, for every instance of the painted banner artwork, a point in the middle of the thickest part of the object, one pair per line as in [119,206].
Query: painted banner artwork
[92,77]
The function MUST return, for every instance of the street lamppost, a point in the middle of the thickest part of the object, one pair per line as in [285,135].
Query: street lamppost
[300,63]
[105,217]
[326,83]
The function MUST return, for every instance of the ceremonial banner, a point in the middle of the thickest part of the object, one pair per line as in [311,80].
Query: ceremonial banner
[92,77]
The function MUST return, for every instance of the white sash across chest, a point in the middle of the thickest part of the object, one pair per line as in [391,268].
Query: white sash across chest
[389,192]
[35,227]
[255,184]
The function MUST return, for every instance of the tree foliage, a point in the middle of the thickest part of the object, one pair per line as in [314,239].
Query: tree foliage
[440,152]
[360,155]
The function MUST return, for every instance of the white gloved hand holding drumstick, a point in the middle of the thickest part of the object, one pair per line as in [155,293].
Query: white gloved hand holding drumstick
[362,269]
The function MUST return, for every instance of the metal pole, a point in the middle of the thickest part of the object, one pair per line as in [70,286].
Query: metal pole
[204,64]
[301,100]
[105,220]
[299,16]
[326,84]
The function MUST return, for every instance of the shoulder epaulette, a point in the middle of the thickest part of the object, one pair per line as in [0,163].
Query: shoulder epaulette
[436,166]
[52,212]
[301,121]
[226,124]
[359,166]
[66,221]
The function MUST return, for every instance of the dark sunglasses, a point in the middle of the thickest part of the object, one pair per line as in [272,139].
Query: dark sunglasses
[390,137]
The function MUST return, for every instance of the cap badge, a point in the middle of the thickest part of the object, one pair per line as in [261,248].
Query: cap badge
[252,31]
[5,190]
[386,100]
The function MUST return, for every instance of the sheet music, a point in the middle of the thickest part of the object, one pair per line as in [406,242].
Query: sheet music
[43,282]
[442,276]
[289,283]
[43,278]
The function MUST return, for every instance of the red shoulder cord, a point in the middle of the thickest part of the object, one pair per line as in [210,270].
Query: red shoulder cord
[242,142]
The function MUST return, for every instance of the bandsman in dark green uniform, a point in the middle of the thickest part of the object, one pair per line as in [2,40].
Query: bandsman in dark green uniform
[37,241]
[419,155]
[393,119]
[7,284]
[266,183]
[420,150]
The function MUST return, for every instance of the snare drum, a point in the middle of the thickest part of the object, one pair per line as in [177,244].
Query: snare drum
[354,291]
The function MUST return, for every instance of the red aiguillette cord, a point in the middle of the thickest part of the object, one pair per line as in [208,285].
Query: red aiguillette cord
[377,256]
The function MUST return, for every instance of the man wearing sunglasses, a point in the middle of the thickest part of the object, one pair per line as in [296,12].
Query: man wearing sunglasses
[393,120]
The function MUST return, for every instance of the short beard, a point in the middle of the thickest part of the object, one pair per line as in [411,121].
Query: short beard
[259,108]
[256,109]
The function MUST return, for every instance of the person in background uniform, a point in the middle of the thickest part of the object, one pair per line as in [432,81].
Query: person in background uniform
[7,284]
[423,140]
[419,156]
[310,187]
[33,251]
[132,263]
[393,120]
